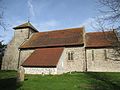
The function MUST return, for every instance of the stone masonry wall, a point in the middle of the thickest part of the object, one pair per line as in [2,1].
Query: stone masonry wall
[102,60]
[77,64]
[39,70]
[10,59]
[24,54]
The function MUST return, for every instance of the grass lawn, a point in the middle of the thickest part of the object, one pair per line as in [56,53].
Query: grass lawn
[8,80]
[74,81]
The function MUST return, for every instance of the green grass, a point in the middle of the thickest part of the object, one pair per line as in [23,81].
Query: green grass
[7,74]
[8,80]
[73,81]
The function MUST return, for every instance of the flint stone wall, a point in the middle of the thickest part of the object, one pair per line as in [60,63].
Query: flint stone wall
[11,57]
[102,62]
[24,54]
[77,64]
[40,70]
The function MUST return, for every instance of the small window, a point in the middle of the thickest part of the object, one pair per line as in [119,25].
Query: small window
[92,55]
[105,54]
[70,56]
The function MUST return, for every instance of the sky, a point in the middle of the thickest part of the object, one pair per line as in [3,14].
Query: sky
[47,15]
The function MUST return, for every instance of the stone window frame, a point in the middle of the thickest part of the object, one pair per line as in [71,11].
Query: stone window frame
[105,54]
[93,55]
[70,56]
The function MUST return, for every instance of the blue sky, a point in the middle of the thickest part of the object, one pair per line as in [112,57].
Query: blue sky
[48,15]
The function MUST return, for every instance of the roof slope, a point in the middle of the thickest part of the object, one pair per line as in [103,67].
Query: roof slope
[73,36]
[44,57]
[26,25]
[100,39]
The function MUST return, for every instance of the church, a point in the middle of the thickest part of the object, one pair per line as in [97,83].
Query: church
[60,51]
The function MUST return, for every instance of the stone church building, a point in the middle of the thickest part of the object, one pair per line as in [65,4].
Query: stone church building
[60,51]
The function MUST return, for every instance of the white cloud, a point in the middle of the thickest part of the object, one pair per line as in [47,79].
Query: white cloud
[88,24]
[31,8]
[96,23]
[48,25]
[51,23]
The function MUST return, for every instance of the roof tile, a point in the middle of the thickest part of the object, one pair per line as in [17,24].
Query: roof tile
[72,36]
[44,57]
[100,39]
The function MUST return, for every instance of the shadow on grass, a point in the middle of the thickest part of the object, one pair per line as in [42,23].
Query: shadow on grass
[101,81]
[9,84]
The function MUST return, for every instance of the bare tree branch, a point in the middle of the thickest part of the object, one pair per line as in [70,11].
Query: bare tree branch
[2,21]
[111,11]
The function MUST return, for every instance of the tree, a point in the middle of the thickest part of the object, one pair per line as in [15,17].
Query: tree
[2,21]
[111,12]
[2,50]
[111,8]
[2,27]
[110,20]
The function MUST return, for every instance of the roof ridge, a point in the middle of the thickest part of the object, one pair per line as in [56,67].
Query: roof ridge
[98,32]
[62,30]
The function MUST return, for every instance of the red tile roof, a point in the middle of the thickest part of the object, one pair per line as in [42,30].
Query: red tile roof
[44,57]
[100,39]
[73,36]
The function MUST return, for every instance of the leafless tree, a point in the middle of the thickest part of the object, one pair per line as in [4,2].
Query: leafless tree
[110,20]
[2,21]
[111,13]
[111,8]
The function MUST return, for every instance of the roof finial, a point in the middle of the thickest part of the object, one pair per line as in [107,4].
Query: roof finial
[28,19]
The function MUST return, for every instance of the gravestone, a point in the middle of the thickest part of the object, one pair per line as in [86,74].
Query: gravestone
[21,74]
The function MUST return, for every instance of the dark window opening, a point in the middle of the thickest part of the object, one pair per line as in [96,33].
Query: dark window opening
[92,55]
[105,54]
[70,55]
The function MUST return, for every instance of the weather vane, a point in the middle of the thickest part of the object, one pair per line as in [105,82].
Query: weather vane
[28,19]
